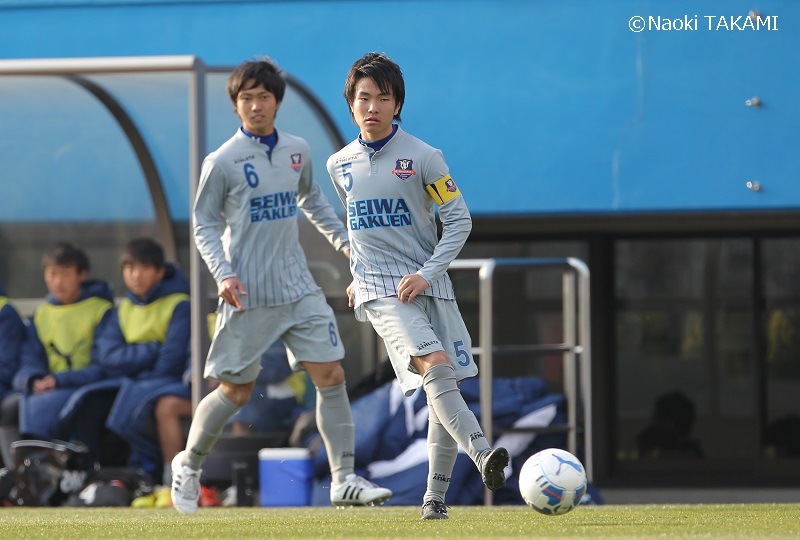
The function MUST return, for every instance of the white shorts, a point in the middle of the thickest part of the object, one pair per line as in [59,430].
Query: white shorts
[424,326]
[307,328]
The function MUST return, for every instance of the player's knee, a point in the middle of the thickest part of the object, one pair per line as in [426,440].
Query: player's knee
[241,397]
[329,374]
[239,394]
[426,362]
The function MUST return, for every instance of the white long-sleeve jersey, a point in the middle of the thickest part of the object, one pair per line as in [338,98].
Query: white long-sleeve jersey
[390,197]
[257,198]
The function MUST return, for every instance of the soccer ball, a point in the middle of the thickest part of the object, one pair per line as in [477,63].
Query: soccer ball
[552,481]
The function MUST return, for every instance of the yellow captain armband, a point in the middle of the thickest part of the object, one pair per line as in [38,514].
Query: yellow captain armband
[443,190]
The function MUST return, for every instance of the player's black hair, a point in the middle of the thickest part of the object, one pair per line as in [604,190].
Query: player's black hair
[66,254]
[255,72]
[142,251]
[384,71]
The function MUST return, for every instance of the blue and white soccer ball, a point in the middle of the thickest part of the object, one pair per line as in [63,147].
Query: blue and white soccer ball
[552,481]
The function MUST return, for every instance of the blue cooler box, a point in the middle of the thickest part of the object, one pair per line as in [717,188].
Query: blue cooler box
[285,476]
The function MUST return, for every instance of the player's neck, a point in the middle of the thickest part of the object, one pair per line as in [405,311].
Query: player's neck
[380,143]
[265,138]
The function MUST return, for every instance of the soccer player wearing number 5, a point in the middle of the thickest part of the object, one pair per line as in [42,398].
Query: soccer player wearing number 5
[253,186]
[390,183]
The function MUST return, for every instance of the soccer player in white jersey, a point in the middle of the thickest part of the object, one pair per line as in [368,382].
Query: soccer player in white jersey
[390,183]
[252,186]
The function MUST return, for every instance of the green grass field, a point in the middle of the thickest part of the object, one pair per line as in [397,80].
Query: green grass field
[609,521]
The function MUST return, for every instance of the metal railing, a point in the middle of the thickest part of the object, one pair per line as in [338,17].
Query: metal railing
[575,348]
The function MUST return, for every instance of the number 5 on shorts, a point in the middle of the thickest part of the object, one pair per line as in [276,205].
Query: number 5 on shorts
[457,347]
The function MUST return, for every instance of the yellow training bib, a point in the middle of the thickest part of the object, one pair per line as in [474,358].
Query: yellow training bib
[67,332]
[141,324]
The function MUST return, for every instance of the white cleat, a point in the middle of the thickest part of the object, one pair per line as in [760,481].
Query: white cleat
[357,491]
[185,486]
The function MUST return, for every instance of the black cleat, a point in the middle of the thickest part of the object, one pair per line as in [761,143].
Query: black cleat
[433,510]
[493,464]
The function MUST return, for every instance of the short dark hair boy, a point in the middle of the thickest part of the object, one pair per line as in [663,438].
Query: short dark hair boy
[66,254]
[386,74]
[143,251]
[249,75]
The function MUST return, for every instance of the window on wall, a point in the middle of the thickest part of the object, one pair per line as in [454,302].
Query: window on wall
[708,358]
[780,261]
[685,359]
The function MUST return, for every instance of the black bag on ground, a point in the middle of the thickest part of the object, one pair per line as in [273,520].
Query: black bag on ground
[47,472]
[112,486]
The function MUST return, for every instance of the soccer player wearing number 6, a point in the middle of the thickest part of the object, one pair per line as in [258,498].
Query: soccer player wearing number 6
[390,182]
[253,186]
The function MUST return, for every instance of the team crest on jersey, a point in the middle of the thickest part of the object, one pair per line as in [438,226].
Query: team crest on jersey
[297,162]
[404,168]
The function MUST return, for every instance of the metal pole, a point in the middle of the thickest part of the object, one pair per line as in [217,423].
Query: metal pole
[585,352]
[486,300]
[198,275]
[570,371]
[108,64]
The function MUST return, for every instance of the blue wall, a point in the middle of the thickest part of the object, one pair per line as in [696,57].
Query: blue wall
[548,106]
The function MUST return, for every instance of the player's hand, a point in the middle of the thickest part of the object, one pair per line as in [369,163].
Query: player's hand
[231,291]
[351,293]
[346,252]
[410,286]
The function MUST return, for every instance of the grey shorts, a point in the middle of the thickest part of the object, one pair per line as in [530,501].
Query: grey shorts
[307,328]
[424,326]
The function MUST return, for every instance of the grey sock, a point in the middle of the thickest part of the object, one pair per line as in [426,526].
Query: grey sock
[442,454]
[451,409]
[335,424]
[209,420]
